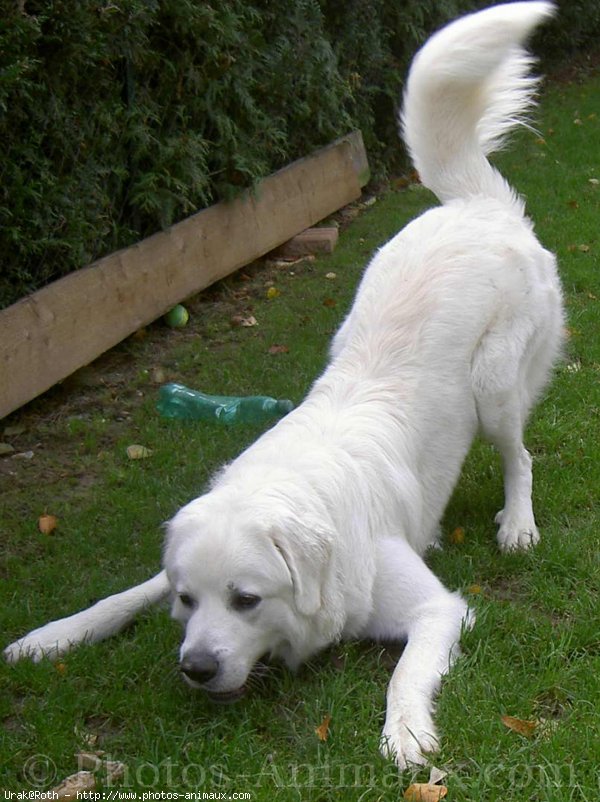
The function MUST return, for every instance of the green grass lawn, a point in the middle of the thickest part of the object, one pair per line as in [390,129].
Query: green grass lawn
[534,653]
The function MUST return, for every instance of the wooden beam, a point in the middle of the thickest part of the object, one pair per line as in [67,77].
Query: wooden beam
[50,334]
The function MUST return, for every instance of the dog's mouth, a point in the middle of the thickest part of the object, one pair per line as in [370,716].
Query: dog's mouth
[226,697]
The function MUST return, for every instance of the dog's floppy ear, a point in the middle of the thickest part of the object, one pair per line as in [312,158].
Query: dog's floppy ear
[306,550]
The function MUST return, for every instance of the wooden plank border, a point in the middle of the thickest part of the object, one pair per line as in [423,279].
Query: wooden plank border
[48,335]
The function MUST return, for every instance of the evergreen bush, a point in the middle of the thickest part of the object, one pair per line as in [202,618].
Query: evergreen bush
[120,117]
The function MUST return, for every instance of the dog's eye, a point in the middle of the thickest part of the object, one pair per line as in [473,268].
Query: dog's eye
[186,600]
[245,601]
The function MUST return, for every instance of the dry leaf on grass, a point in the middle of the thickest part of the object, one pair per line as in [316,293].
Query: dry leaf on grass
[457,536]
[110,770]
[525,728]
[279,349]
[137,451]
[73,785]
[244,321]
[47,523]
[425,792]
[322,731]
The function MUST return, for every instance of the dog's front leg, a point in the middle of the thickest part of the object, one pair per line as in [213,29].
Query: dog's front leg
[103,619]
[409,732]
[411,604]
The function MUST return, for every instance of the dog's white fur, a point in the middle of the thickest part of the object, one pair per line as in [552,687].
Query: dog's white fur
[325,519]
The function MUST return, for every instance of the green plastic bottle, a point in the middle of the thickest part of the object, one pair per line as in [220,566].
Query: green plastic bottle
[177,401]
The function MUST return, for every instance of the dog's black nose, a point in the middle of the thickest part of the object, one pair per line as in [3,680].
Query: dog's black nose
[200,669]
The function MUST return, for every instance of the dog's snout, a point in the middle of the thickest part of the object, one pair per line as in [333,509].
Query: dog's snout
[200,669]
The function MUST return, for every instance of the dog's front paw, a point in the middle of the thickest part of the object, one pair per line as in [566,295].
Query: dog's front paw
[409,739]
[50,641]
[23,649]
[28,648]
[516,534]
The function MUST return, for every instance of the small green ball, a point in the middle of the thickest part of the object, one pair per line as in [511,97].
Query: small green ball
[177,317]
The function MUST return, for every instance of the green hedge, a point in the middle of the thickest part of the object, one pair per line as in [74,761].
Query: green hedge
[120,117]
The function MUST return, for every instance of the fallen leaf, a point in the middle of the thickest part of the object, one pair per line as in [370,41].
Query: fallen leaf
[474,589]
[90,739]
[425,792]
[593,181]
[73,785]
[583,248]
[279,349]
[61,667]
[47,523]
[244,322]
[331,276]
[329,302]
[136,451]
[573,204]
[110,770]
[525,728]
[457,536]
[322,731]
[273,292]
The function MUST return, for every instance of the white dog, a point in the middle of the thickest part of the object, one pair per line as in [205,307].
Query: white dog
[317,531]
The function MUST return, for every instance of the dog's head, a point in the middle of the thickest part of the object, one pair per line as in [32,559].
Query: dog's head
[247,581]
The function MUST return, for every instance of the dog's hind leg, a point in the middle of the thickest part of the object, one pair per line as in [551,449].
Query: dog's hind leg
[503,401]
[103,619]
[411,604]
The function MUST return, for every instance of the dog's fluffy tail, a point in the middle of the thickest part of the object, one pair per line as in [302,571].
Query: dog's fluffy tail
[467,88]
